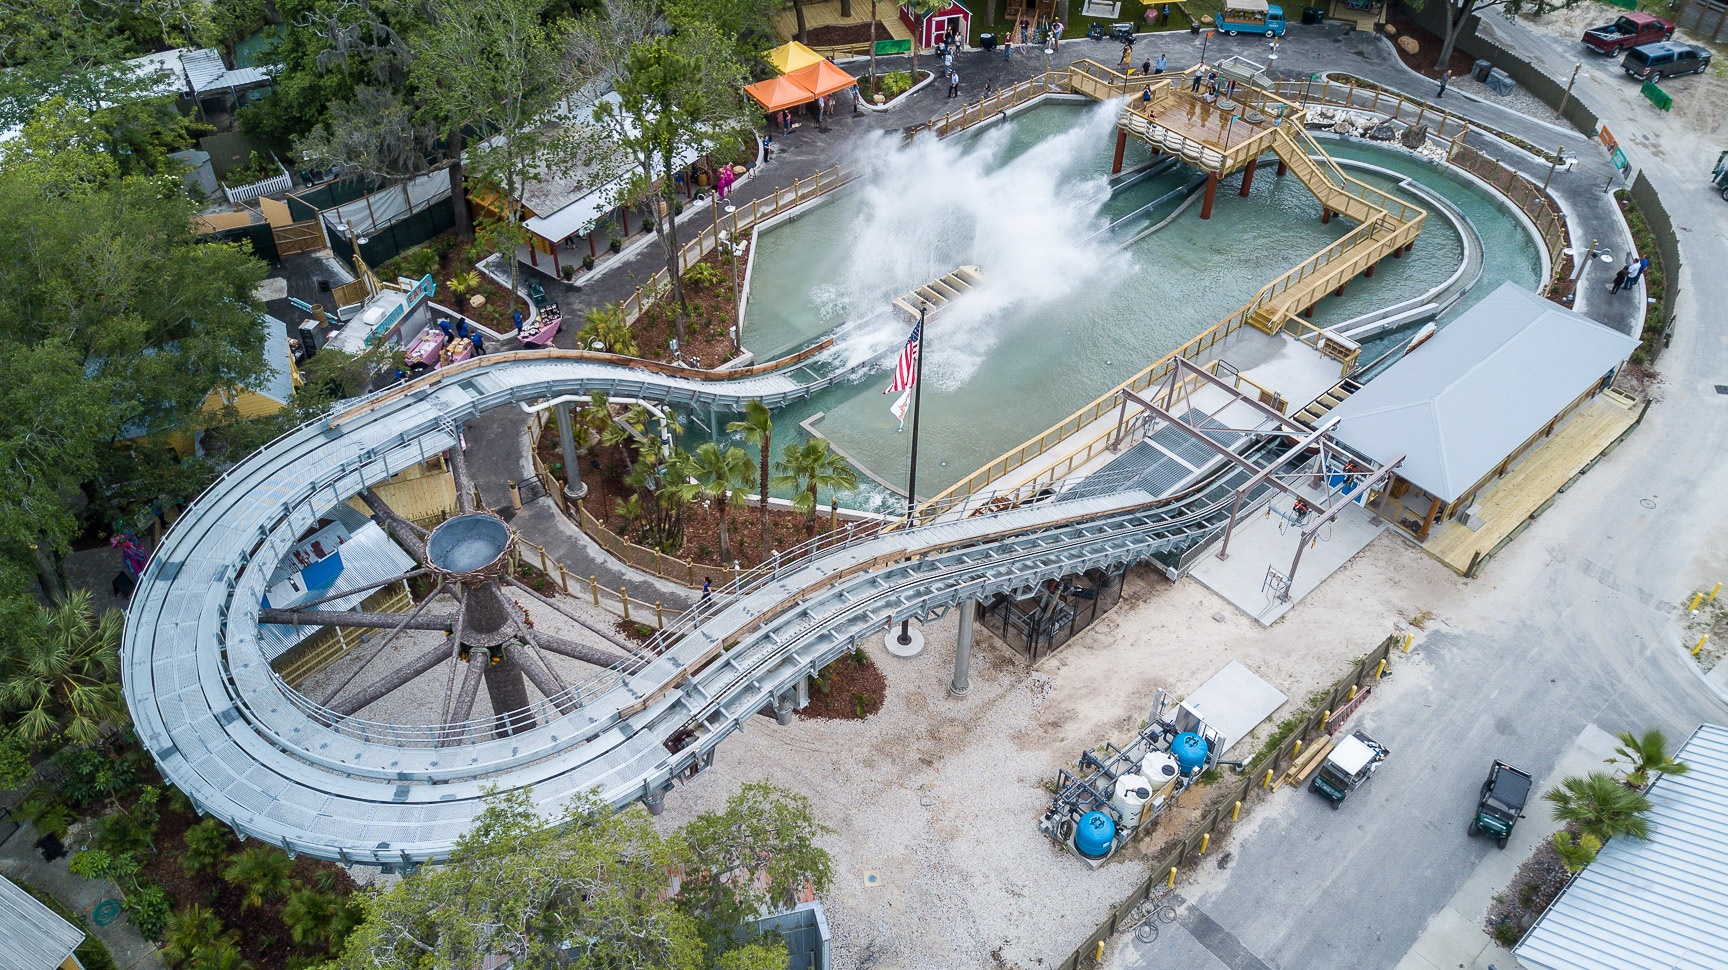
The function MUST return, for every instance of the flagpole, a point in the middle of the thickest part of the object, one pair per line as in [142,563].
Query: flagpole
[905,637]
[917,412]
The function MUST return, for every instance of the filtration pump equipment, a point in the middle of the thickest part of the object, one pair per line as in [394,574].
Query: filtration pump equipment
[1125,789]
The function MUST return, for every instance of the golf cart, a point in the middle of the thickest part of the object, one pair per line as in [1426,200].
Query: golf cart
[1501,803]
[1719,177]
[1352,761]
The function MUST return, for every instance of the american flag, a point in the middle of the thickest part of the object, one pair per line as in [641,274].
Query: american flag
[905,371]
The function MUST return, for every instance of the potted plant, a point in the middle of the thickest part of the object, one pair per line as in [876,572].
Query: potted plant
[615,244]
[588,261]
[569,271]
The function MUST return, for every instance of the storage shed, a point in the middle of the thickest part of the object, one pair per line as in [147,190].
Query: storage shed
[936,26]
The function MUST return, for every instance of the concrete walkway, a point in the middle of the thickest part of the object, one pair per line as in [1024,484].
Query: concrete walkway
[21,862]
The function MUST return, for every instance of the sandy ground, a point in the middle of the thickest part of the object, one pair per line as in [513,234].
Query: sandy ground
[938,798]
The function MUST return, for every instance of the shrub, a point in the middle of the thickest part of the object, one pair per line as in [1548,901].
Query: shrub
[1507,933]
[207,845]
[148,908]
[463,284]
[895,83]
[702,274]
[861,704]
[859,657]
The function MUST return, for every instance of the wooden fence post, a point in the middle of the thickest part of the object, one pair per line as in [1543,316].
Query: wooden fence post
[594,587]
[624,595]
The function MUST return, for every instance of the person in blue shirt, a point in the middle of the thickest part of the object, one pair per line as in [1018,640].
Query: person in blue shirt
[1161,62]
[444,325]
[479,347]
[517,320]
[461,328]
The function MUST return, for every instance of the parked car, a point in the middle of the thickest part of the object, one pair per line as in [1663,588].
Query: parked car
[1665,60]
[1250,17]
[1632,30]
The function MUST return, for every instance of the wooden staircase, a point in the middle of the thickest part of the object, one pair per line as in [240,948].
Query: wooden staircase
[1318,408]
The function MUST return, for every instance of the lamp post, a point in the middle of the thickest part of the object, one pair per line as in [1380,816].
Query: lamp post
[1047,52]
[1205,39]
[905,637]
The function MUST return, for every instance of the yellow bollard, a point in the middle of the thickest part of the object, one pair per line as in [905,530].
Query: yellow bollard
[1352,695]
[1171,881]
[1409,639]
[564,579]
[1297,749]
[1236,811]
[1324,718]
[1268,782]
[1098,952]
[1713,591]
[1696,599]
[1700,644]
[1205,840]
[594,587]
[1380,671]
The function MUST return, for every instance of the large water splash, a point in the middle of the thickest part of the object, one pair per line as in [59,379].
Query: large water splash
[1026,219]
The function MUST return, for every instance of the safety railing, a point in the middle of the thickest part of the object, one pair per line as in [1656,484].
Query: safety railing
[966,116]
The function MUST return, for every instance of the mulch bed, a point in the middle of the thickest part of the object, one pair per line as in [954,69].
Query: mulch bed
[846,682]
[495,313]
[838,35]
[603,471]
[713,312]
[1538,882]
[1428,51]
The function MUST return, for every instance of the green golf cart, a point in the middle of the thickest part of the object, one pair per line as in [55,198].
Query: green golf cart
[1352,761]
[1501,803]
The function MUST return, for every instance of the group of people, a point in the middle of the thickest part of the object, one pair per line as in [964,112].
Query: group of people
[1052,33]
[1630,274]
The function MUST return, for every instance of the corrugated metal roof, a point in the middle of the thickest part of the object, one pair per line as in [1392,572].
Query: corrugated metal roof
[1463,401]
[204,68]
[1656,904]
[368,556]
[36,937]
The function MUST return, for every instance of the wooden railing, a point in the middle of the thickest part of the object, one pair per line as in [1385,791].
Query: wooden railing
[966,116]
[734,225]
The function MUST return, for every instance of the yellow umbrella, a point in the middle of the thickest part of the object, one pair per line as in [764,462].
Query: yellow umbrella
[791,57]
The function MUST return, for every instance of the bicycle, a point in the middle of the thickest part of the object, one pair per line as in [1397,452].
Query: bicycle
[1159,912]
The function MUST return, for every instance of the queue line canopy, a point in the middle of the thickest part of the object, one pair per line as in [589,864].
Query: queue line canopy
[791,57]
[799,87]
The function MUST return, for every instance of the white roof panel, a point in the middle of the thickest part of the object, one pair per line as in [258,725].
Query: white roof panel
[1351,755]
[36,937]
[1657,903]
[1465,399]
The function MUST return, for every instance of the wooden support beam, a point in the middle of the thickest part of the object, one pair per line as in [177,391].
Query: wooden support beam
[1282,168]
[1325,216]
[1121,149]
[1369,272]
[1211,193]
[1248,176]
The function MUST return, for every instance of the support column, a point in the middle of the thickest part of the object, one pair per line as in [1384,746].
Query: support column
[1340,290]
[1248,176]
[1121,149]
[1398,253]
[1211,193]
[1325,216]
[574,487]
[1282,168]
[1369,272]
[963,650]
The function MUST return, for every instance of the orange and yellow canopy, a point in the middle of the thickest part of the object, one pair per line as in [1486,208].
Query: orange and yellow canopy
[800,86]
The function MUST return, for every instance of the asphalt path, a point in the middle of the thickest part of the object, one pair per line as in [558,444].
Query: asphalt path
[1574,624]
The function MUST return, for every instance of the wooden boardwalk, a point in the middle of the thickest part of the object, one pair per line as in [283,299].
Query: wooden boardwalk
[826,13]
[1535,480]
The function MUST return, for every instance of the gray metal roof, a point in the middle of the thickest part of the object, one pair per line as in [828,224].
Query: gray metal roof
[36,937]
[1656,904]
[1463,401]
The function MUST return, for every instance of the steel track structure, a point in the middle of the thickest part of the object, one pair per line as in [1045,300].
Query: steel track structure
[249,750]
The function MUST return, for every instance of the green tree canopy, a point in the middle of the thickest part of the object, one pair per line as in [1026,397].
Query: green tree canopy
[60,676]
[1601,806]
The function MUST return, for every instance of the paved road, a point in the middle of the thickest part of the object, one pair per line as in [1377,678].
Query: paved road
[1574,625]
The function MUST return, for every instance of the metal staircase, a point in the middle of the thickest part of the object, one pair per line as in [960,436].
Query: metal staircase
[1317,409]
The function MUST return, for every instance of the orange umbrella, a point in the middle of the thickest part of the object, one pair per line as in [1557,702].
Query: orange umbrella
[799,87]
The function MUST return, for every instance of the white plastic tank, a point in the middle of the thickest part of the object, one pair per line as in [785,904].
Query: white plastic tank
[1132,794]
[1158,767]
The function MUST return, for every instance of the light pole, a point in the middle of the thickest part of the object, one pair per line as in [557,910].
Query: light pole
[905,637]
[1584,263]
[1205,39]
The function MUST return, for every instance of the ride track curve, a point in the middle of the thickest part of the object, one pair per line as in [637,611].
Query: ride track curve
[246,748]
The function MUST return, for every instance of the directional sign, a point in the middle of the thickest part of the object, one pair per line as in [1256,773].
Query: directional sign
[1615,155]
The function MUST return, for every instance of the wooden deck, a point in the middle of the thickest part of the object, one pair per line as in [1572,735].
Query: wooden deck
[825,13]
[1535,480]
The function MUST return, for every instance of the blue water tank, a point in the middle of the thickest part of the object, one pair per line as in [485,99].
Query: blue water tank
[1094,835]
[1189,750]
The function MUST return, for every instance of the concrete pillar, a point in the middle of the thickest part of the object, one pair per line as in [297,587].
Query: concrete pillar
[963,650]
[1248,176]
[574,487]
[1282,168]
[1211,193]
[1121,149]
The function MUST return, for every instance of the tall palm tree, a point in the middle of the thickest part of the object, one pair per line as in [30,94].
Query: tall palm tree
[1600,806]
[221,954]
[63,678]
[757,427]
[722,471]
[1646,757]
[261,873]
[809,466]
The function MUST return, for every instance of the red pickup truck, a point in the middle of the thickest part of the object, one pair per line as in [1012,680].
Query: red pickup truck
[1632,30]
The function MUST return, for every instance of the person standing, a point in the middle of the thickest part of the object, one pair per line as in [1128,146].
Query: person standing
[479,347]
[1638,268]
[1127,54]
[1620,279]
[1008,50]
[1056,36]
[516,318]
[707,588]
[953,85]
[1145,67]
[1445,79]
[1159,69]
[785,122]
[1195,87]
[1023,30]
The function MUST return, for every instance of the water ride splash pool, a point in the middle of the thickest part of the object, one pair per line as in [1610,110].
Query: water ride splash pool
[1078,295]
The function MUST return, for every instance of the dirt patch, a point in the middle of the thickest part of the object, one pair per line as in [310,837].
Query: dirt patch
[709,289]
[847,690]
[1428,48]
[840,35]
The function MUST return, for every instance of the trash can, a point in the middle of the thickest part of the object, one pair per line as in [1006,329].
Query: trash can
[1313,15]
[987,41]
[1500,82]
[1480,70]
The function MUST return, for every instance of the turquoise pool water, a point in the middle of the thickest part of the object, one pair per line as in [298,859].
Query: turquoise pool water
[1067,311]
